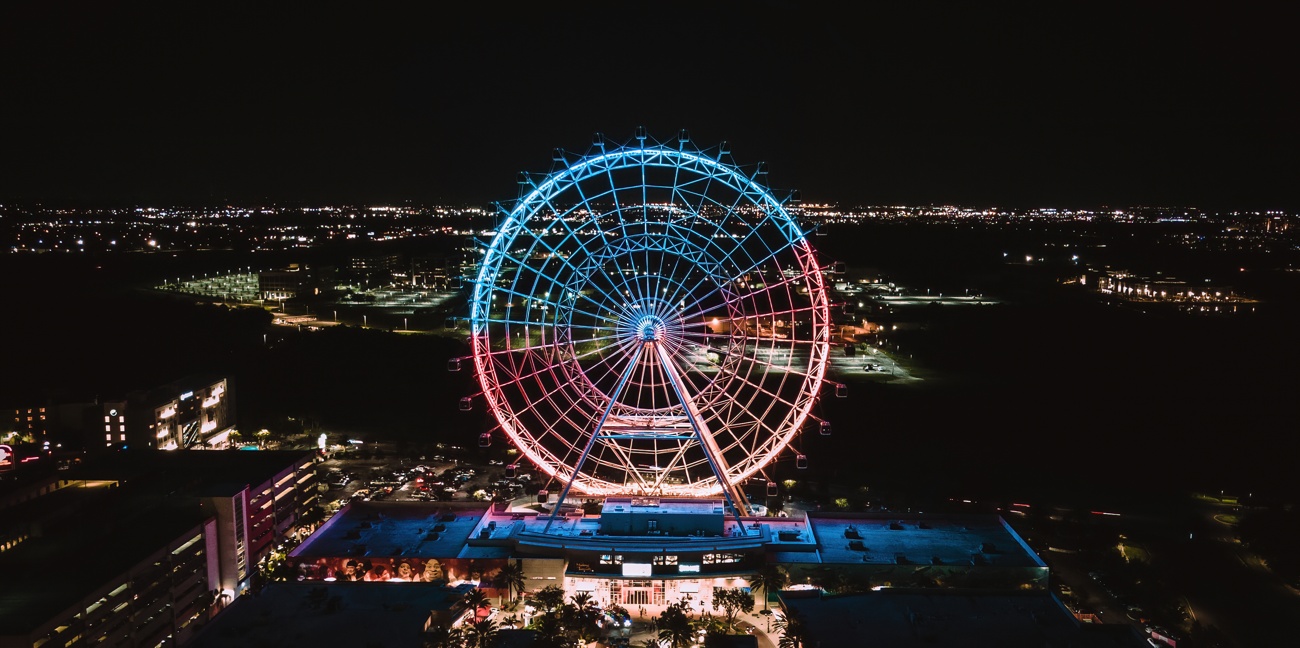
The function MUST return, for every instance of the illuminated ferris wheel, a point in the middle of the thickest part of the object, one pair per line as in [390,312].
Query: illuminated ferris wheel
[649,319]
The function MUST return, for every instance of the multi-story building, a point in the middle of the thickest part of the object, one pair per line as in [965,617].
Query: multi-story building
[290,283]
[377,268]
[656,551]
[30,422]
[194,411]
[142,549]
[643,554]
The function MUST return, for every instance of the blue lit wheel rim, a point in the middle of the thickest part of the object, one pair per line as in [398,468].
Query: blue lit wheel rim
[627,259]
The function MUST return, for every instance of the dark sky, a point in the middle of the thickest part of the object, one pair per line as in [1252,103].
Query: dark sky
[1028,104]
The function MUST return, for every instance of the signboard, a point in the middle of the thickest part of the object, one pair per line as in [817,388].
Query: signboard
[6,458]
[637,569]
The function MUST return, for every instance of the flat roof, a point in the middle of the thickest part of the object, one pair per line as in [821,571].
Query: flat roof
[923,539]
[95,535]
[119,508]
[948,619]
[198,472]
[329,614]
[414,529]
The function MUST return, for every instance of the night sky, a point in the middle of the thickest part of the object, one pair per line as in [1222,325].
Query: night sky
[1007,104]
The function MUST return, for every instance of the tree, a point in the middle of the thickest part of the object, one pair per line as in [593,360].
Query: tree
[548,599]
[733,601]
[482,634]
[444,637]
[550,631]
[475,599]
[511,578]
[583,615]
[675,624]
[770,578]
[791,627]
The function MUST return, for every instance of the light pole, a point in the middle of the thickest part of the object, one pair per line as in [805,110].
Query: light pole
[363,321]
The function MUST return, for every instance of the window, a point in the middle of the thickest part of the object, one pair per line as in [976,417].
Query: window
[719,558]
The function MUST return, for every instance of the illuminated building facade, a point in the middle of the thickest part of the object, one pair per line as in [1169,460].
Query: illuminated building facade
[31,422]
[185,414]
[194,411]
[655,552]
[279,285]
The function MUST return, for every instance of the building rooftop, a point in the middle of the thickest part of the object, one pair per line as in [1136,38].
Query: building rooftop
[333,614]
[199,472]
[886,538]
[90,535]
[413,529]
[116,510]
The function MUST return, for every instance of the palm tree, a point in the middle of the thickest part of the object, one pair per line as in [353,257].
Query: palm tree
[792,629]
[550,630]
[581,599]
[511,578]
[675,624]
[444,637]
[585,614]
[768,579]
[475,599]
[482,634]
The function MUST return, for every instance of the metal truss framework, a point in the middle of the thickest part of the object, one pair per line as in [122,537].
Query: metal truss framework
[650,320]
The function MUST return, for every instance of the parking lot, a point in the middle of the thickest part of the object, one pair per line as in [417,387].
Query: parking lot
[451,475]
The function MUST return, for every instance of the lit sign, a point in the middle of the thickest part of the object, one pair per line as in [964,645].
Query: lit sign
[6,458]
[187,395]
[689,568]
[636,569]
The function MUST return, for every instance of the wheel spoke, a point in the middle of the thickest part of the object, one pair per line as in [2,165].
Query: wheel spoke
[649,247]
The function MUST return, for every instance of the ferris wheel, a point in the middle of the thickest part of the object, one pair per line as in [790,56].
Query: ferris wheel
[650,320]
